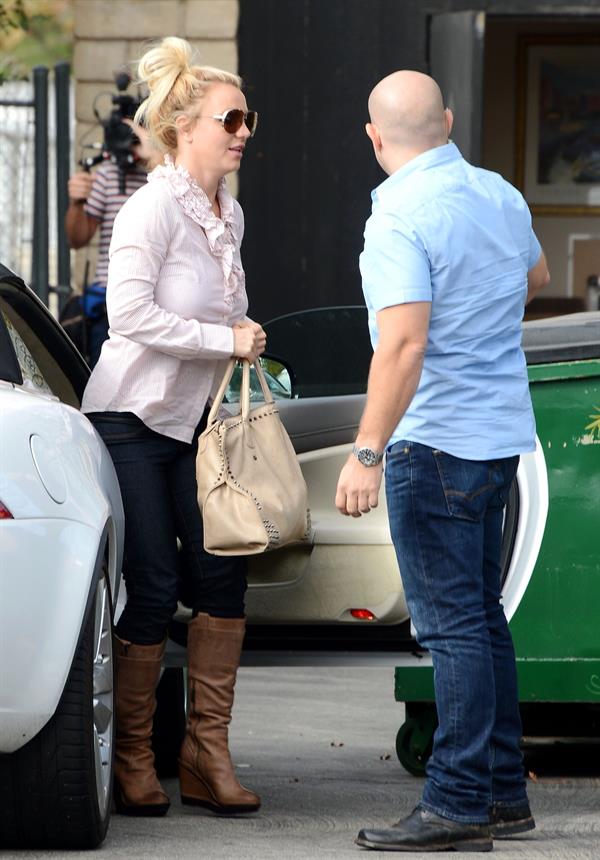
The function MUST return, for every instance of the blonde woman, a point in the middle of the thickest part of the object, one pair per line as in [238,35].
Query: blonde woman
[177,306]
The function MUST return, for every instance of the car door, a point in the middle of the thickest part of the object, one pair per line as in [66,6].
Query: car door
[348,574]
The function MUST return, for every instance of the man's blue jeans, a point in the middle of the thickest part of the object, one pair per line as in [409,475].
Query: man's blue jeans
[446,519]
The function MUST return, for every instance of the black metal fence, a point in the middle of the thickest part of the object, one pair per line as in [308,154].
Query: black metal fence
[34,169]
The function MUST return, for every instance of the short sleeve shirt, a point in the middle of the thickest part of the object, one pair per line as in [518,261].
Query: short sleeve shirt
[460,237]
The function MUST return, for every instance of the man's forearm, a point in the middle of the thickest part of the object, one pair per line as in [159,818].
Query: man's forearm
[393,380]
[79,226]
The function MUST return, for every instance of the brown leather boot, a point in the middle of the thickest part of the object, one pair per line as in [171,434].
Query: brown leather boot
[137,789]
[206,773]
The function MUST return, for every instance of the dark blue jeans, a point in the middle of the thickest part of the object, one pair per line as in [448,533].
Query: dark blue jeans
[157,477]
[446,519]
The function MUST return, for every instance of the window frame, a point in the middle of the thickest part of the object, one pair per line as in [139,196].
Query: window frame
[36,315]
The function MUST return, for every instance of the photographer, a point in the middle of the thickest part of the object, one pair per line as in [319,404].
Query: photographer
[94,200]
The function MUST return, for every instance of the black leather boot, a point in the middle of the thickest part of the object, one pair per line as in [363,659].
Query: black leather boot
[425,831]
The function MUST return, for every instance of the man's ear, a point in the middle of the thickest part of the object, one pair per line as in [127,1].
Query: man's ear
[449,121]
[374,136]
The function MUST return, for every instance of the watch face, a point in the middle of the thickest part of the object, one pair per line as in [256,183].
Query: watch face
[367,457]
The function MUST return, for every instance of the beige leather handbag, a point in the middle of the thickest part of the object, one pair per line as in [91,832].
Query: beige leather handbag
[251,491]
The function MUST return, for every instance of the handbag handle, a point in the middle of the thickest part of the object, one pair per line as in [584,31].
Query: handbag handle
[216,404]
[244,391]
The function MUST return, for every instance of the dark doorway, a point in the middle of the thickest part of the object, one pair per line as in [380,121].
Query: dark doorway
[460,74]
[305,184]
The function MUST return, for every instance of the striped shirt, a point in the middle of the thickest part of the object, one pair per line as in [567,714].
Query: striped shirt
[104,202]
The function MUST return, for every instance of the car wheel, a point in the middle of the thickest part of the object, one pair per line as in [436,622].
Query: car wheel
[55,792]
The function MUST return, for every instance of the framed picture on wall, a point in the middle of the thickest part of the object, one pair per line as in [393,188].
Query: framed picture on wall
[558,124]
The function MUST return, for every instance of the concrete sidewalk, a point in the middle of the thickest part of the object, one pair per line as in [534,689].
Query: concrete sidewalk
[318,745]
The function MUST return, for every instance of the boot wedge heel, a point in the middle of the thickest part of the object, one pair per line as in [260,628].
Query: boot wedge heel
[195,792]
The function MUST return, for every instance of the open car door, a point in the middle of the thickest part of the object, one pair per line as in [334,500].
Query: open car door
[348,577]
[348,574]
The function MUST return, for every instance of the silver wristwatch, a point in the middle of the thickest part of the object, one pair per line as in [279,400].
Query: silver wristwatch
[367,456]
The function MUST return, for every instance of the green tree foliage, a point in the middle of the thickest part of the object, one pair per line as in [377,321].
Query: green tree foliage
[12,15]
[33,32]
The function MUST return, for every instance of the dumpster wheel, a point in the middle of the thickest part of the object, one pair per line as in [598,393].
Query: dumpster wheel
[415,737]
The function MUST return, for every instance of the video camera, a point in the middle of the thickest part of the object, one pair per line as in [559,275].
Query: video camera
[119,138]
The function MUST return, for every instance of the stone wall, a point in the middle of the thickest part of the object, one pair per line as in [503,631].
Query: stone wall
[111,34]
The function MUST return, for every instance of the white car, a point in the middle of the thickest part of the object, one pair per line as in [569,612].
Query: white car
[61,539]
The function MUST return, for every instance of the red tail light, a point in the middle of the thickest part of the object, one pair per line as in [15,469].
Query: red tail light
[5,514]
[362,614]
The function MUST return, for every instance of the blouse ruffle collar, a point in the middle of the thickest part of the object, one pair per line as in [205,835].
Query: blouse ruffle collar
[221,233]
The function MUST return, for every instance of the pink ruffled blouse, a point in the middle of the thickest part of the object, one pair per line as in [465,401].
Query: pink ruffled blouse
[175,288]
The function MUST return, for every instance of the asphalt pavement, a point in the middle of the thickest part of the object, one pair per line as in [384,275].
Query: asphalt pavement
[318,745]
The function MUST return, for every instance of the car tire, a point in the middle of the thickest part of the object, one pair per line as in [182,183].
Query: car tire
[55,792]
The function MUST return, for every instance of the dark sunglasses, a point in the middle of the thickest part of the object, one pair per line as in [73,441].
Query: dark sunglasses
[232,120]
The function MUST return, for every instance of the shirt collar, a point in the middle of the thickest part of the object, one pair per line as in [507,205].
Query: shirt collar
[187,189]
[430,158]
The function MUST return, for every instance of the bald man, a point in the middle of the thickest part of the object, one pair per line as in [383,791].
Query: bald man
[449,262]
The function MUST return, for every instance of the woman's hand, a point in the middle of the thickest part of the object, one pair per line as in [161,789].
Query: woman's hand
[249,340]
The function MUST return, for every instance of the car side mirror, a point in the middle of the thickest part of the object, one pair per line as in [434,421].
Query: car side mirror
[279,376]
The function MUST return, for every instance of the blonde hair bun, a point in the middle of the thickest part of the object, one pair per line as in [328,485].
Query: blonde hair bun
[160,67]
[175,87]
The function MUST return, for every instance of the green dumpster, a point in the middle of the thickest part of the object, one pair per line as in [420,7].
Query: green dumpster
[555,623]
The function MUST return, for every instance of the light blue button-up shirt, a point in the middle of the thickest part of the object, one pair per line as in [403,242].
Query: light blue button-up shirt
[445,232]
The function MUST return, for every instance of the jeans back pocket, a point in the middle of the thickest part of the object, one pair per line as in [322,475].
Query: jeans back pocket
[468,485]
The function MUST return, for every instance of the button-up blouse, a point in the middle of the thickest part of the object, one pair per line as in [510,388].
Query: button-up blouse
[175,288]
